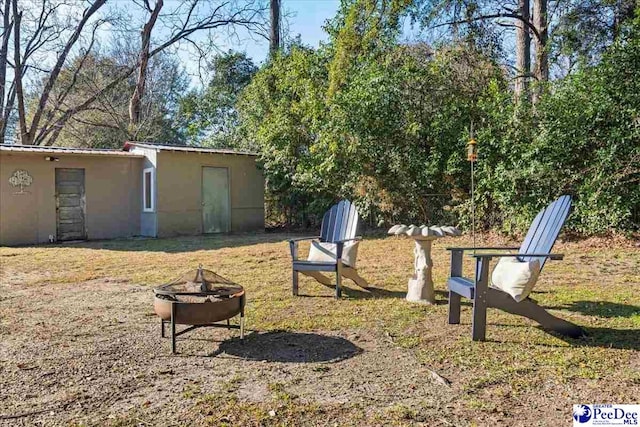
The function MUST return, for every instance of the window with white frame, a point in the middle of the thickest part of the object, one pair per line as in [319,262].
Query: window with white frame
[147,190]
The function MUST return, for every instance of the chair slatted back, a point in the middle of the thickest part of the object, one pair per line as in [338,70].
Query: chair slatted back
[545,228]
[340,222]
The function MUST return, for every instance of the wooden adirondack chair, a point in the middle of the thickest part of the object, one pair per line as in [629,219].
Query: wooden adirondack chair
[537,245]
[339,226]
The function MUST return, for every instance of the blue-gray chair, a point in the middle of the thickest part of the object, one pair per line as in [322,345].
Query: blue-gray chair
[537,245]
[339,226]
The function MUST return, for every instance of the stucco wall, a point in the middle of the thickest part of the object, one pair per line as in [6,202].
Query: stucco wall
[179,181]
[148,220]
[112,192]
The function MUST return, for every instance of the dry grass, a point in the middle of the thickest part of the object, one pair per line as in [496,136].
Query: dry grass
[520,375]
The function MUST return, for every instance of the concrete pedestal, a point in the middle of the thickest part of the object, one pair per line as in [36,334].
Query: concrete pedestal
[420,286]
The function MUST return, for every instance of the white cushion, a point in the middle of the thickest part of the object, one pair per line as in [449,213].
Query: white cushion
[323,251]
[515,277]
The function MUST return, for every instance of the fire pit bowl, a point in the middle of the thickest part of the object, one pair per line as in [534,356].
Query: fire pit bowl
[199,298]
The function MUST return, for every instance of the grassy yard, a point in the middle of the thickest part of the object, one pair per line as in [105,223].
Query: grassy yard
[80,344]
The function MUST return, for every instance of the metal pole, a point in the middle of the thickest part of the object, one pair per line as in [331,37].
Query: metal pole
[173,327]
[473,212]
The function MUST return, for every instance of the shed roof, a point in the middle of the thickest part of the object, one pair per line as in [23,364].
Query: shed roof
[186,148]
[37,149]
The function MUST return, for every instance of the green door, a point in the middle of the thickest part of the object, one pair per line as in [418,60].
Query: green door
[216,212]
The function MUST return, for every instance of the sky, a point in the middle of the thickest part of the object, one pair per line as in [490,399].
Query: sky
[306,18]
[302,17]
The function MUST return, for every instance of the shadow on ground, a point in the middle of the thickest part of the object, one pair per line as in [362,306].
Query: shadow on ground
[175,244]
[627,339]
[290,347]
[360,293]
[603,309]
[373,292]
[623,339]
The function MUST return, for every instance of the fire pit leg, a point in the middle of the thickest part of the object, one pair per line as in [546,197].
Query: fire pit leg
[242,303]
[242,326]
[161,328]
[173,328]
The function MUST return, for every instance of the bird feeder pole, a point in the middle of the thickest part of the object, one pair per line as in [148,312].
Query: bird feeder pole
[472,157]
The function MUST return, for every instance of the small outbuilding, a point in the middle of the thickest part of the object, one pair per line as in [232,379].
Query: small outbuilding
[147,189]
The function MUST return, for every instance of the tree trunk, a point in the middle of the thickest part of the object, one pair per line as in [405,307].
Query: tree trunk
[274,38]
[523,52]
[624,12]
[542,55]
[5,107]
[25,137]
[135,102]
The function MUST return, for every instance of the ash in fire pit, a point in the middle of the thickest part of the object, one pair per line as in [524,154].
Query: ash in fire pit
[199,298]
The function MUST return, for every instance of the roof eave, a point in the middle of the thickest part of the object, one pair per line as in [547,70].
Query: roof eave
[128,145]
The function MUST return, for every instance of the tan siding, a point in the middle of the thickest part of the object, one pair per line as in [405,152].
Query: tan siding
[179,203]
[112,186]
[148,220]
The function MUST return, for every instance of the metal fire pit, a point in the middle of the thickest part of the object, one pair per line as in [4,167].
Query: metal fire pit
[199,298]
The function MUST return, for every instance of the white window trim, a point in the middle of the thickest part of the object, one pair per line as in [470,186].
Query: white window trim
[144,190]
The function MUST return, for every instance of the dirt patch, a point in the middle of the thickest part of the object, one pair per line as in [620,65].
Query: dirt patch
[86,353]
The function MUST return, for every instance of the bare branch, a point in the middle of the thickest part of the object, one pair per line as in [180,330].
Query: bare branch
[59,64]
[63,118]
[531,27]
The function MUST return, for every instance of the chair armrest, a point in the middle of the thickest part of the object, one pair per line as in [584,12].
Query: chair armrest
[298,239]
[503,248]
[348,240]
[340,246]
[293,245]
[494,255]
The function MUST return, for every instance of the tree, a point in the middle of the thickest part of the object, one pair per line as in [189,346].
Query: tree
[361,27]
[281,112]
[34,132]
[385,124]
[387,137]
[37,32]
[105,124]
[540,20]
[523,51]
[274,34]
[569,31]
[33,33]
[185,21]
[209,117]
[5,105]
[143,61]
